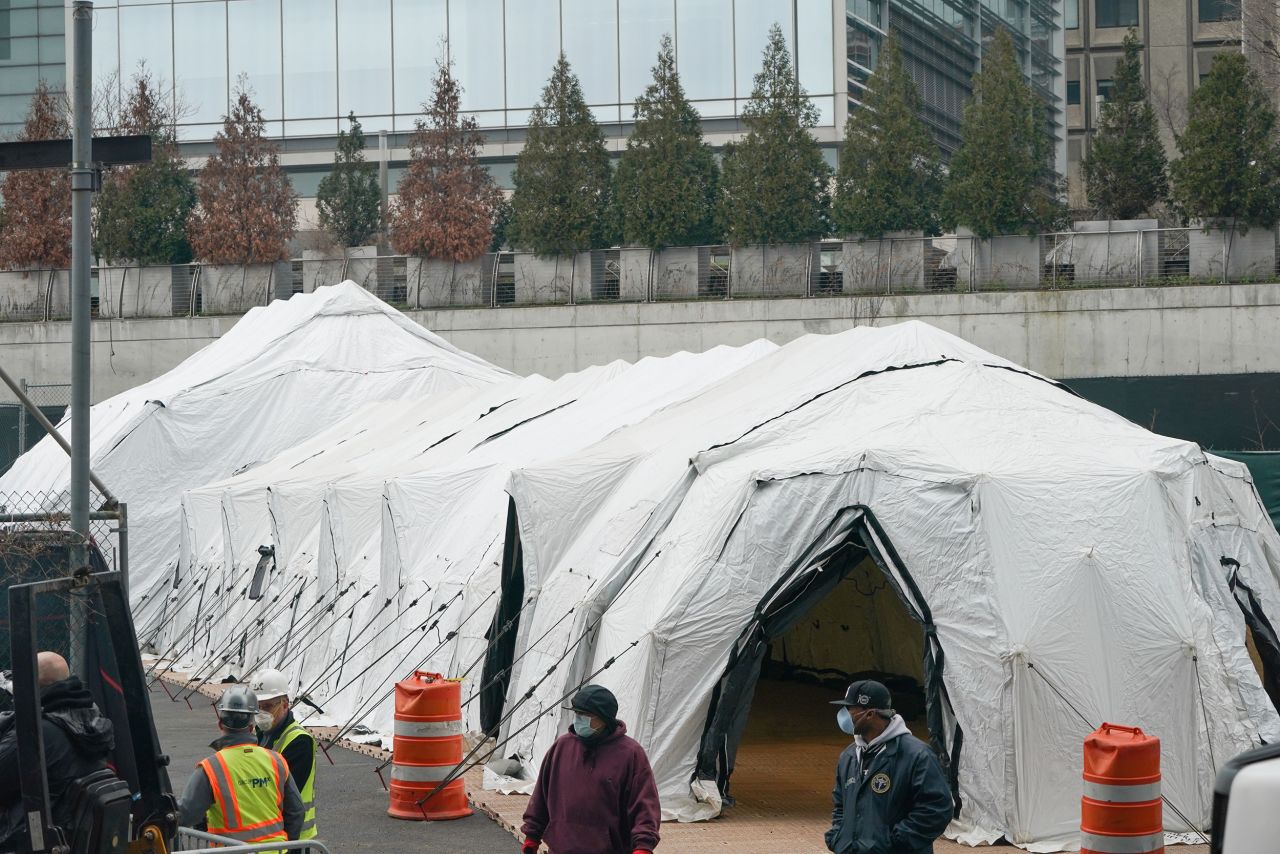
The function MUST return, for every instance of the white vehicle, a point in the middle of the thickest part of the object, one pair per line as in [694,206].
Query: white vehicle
[1244,800]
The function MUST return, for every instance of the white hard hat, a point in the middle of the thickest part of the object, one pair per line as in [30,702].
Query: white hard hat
[269,685]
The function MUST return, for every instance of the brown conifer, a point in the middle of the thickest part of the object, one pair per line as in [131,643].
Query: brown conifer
[35,228]
[446,198]
[246,212]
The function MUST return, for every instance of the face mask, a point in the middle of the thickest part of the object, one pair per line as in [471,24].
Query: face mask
[263,720]
[582,726]
[845,720]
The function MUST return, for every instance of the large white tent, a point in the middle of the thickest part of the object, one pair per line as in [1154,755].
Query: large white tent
[388,529]
[283,373]
[1064,567]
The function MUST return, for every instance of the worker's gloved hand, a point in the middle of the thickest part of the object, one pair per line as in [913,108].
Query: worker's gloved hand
[641,851]
[530,846]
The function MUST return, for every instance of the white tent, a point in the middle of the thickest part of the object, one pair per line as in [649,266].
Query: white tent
[1065,567]
[283,373]
[396,518]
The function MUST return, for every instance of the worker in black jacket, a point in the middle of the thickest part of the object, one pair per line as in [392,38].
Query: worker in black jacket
[77,742]
[891,796]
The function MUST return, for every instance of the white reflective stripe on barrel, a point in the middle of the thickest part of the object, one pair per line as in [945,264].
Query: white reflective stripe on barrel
[1122,844]
[420,773]
[1122,794]
[428,729]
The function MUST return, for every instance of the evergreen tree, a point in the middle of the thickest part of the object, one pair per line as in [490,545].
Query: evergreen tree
[665,186]
[1124,171]
[349,200]
[501,224]
[1230,164]
[890,178]
[562,176]
[775,182]
[246,212]
[1002,178]
[36,229]
[446,199]
[143,210]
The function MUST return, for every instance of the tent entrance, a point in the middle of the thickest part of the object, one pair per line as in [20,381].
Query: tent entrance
[846,610]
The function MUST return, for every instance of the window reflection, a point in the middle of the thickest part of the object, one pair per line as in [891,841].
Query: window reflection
[641,25]
[704,48]
[867,10]
[310,60]
[475,46]
[146,34]
[590,39]
[201,73]
[253,48]
[814,46]
[532,47]
[751,22]
[420,28]
[364,57]
[106,54]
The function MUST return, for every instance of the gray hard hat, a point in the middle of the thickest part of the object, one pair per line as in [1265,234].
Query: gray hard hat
[236,707]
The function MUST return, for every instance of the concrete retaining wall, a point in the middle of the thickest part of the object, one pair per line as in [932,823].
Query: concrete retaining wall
[1247,255]
[135,291]
[1098,332]
[23,294]
[444,284]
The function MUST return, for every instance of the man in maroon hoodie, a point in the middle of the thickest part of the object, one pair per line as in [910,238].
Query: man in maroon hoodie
[595,793]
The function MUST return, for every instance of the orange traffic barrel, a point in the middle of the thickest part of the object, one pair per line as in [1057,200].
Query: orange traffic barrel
[426,748]
[1121,811]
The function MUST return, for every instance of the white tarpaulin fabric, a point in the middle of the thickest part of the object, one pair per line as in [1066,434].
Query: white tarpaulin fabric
[388,530]
[283,373]
[1074,565]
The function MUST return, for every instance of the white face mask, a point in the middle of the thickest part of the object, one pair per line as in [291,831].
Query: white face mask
[263,720]
[582,726]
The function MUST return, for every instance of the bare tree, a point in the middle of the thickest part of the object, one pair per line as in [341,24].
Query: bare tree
[1260,34]
[1169,98]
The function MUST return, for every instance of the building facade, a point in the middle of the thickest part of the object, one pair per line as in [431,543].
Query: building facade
[32,48]
[310,62]
[1179,39]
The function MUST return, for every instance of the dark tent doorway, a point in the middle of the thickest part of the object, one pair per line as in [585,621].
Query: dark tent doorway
[846,610]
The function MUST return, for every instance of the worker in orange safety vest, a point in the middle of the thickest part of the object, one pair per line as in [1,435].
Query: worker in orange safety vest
[243,791]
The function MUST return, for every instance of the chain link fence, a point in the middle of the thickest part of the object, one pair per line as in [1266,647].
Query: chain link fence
[36,543]
[1134,257]
[19,431]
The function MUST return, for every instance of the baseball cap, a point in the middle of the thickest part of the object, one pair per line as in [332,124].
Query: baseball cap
[866,694]
[596,700]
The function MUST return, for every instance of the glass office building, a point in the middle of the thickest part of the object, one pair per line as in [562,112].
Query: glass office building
[942,42]
[32,48]
[310,62]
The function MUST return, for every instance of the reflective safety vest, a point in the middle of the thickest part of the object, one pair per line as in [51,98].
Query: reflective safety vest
[307,787]
[248,793]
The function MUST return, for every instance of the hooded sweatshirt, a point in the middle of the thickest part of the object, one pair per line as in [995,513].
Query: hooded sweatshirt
[77,742]
[595,796]
[890,797]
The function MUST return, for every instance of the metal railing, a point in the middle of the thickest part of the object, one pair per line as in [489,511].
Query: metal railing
[890,265]
[189,839]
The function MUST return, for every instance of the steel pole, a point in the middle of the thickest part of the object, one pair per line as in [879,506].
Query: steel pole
[82,180]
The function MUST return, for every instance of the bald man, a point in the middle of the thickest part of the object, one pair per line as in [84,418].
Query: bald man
[77,742]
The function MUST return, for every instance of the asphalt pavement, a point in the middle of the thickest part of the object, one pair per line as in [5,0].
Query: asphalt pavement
[351,805]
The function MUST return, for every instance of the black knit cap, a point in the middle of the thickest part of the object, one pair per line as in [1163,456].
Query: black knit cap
[866,694]
[596,700]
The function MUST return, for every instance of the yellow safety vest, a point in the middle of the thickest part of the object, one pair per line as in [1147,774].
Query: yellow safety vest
[248,784]
[307,787]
